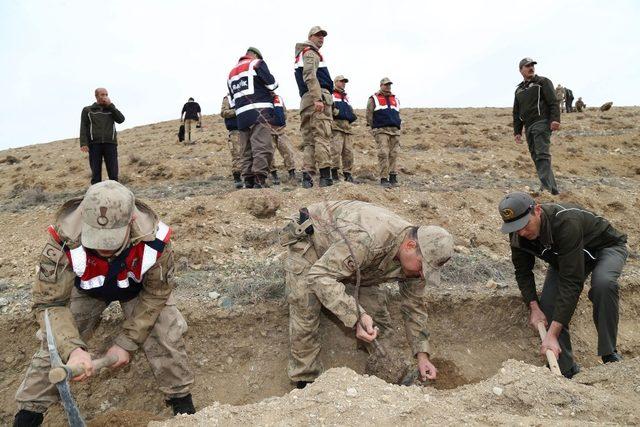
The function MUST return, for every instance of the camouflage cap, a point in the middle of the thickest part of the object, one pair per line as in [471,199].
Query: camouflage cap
[526,61]
[341,78]
[385,80]
[317,30]
[255,50]
[514,210]
[436,245]
[107,210]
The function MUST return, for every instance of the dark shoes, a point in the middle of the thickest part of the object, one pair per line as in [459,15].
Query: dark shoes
[181,405]
[334,174]
[302,384]
[385,183]
[325,177]
[292,175]
[261,182]
[307,181]
[249,182]
[237,181]
[571,372]
[348,177]
[613,357]
[26,418]
[275,179]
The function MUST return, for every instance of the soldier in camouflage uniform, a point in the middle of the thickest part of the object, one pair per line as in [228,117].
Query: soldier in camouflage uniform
[315,88]
[385,248]
[560,93]
[580,105]
[281,142]
[228,113]
[77,280]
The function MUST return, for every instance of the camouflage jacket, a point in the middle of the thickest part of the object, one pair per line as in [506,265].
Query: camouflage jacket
[55,281]
[374,234]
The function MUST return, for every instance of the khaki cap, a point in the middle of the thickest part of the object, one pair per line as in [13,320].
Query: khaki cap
[255,50]
[107,210]
[315,30]
[526,61]
[436,245]
[340,78]
[385,81]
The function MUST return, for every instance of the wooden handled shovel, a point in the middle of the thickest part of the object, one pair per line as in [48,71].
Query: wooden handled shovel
[551,357]
[63,372]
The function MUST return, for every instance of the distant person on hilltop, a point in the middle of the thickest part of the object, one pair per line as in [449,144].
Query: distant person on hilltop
[568,100]
[190,115]
[580,105]
[560,94]
[536,109]
[383,115]
[98,135]
[228,113]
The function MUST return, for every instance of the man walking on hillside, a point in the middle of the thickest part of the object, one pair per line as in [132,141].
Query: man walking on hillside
[315,87]
[574,243]
[535,109]
[190,116]
[383,115]
[98,135]
[568,100]
[251,86]
[342,145]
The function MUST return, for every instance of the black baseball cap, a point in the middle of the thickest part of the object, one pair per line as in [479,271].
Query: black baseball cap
[514,210]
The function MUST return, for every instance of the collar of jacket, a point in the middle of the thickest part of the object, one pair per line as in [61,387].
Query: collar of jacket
[534,79]
[395,247]
[337,89]
[383,93]
[300,47]
[546,238]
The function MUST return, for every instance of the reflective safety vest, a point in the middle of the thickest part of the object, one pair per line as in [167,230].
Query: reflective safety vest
[250,85]
[386,111]
[322,74]
[345,111]
[121,278]
[279,117]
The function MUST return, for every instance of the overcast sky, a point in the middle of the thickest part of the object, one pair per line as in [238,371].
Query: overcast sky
[153,55]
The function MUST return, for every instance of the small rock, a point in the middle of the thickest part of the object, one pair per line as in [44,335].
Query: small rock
[3,301]
[502,285]
[491,284]
[497,391]
[229,360]
[351,392]
[214,295]
[225,302]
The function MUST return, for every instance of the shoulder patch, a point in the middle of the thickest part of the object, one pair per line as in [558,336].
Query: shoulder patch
[349,263]
[52,253]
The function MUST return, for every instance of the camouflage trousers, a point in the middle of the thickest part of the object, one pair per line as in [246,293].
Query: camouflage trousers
[388,148]
[342,151]
[164,348]
[233,142]
[316,138]
[283,145]
[305,309]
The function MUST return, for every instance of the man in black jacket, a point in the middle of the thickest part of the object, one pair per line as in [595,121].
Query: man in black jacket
[535,108]
[190,116]
[98,135]
[575,243]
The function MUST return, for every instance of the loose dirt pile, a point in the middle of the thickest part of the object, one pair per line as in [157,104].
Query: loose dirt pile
[456,166]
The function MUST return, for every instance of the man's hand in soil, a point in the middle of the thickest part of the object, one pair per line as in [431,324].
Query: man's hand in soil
[81,357]
[426,368]
[550,341]
[536,316]
[365,330]
[121,354]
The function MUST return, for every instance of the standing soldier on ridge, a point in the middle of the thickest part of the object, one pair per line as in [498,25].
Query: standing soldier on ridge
[342,145]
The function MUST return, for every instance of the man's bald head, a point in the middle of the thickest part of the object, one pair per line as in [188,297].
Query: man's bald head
[102,96]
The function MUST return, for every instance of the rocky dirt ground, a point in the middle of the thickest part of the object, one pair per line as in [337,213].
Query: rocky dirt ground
[456,166]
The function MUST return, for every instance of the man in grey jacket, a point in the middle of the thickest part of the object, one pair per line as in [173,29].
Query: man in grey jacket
[98,135]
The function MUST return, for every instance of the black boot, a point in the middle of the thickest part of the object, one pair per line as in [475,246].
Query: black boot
[292,175]
[181,405]
[385,183]
[307,181]
[325,177]
[613,357]
[275,179]
[348,177]
[237,181]
[302,384]
[26,418]
[334,174]
[249,182]
[571,372]
[393,179]
[261,182]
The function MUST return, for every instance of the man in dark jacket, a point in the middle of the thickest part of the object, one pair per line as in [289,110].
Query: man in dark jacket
[575,243]
[190,116]
[568,99]
[535,108]
[98,135]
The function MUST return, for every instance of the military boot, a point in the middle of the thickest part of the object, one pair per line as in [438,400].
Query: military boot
[292,175]
[237,181]
[181,405]
[26,418]
[393,179]
[385,183]
[325,177]
[348,177]
[249,182]
[275,179]
[307,181]
[334,174]
[261,182]
[613,357]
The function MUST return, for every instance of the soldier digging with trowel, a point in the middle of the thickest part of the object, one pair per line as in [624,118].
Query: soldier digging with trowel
[103,248]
